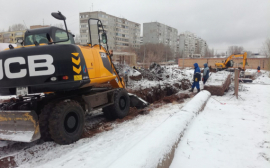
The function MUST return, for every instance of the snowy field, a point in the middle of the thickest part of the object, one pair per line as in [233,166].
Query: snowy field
[235,134]
[227,133]
[141,142]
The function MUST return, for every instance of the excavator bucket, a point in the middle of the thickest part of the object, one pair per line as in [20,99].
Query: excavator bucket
[137,102]
[20,126]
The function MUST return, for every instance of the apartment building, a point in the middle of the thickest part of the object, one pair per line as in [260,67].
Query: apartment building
[189,44]
[11,37]
[121,32]
[155,32]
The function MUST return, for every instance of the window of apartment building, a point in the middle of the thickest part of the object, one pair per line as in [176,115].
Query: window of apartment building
[6,35]
[84,26]
[84,21]
[18,33]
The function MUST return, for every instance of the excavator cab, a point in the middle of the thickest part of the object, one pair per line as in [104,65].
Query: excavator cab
[48,35]
[230,63]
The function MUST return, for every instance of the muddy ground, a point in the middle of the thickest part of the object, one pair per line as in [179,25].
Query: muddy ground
[96,123]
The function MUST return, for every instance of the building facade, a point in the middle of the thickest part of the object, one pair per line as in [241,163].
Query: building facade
[189,44]
[155,32]
[121,33]
[38,26]
[11,37]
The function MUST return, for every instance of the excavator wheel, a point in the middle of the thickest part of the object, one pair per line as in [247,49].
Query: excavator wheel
[121,105]
[108,113]
[66,122]
[44,122]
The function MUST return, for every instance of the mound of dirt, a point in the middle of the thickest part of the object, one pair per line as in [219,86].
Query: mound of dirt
[136,78]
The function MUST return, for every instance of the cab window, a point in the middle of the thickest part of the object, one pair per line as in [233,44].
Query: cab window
[61,35]
[40,38]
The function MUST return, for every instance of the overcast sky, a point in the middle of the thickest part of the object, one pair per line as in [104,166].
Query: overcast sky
[221,23]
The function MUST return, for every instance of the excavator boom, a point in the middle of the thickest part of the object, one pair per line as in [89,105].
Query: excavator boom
[229,62]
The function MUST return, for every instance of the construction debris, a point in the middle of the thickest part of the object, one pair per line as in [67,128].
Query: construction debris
[218,83]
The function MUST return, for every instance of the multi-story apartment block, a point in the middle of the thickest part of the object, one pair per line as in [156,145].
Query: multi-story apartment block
[189,44]
[121,33]
[155,32]
[11,37]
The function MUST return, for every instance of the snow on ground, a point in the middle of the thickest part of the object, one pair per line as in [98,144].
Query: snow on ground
[234,134]
[250,72]
[263,77]
[217,79]
[174,76]
[141,142]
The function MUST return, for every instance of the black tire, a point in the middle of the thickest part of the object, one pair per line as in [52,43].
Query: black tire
[66,122]
[44,122]
[107,111]
[121,105]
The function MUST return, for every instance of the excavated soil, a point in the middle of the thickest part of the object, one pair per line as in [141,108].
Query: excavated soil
[136,78]
[106,125]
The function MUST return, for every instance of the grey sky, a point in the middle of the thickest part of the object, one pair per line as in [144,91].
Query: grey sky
[220,23]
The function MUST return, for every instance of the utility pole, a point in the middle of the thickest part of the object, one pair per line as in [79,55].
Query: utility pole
[144,56]
[166,53]
[183,59]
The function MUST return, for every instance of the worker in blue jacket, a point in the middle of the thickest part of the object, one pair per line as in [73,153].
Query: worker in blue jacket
[196,78]
[205,73]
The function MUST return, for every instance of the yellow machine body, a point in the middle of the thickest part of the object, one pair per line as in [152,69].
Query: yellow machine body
[225,64]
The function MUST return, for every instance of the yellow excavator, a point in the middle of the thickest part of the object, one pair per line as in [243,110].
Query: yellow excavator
[229,62]
[54,82]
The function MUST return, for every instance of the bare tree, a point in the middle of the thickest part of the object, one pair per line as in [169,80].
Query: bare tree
[223,54]
[266,48]
[209,53]
[235,50]
[152,53]
[16,27]
[249,54]
[266,51]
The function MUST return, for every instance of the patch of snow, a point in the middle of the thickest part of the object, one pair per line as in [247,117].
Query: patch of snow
[233,134]
[217,79]
[141,142]
[263,77]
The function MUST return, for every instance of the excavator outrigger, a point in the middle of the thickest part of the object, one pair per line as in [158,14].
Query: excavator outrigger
[229,62]
[54,82]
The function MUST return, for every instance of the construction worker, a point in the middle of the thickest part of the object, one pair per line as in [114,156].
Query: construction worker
[196,78]
[205,73]
[259,69]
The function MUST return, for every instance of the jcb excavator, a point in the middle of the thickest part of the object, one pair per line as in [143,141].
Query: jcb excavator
[229,62]
[53,80]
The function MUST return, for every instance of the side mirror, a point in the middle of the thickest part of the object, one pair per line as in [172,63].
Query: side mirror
[58,15]
[104,38]
[20,41]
